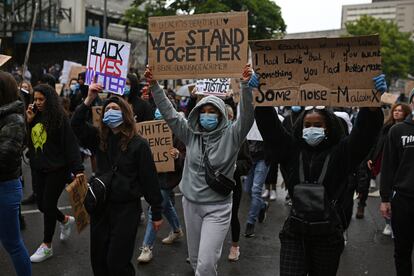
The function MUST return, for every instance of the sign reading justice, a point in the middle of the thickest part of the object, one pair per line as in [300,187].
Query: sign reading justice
[159,137]
[198,46]
[323,71]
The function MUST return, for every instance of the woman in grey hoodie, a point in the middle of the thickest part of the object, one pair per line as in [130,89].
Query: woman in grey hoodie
[207,131]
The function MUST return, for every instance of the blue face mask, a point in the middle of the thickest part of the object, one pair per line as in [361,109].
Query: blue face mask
[296,108]
[73,87]
[313,135]
[158,115]
[208,121]
[127,90]
[113,118]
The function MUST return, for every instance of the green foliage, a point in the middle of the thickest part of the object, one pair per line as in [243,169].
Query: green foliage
[397,49]
[265,18]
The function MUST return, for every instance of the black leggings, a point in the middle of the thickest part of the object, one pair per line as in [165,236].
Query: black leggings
[113,239]
[235,223]
[49,187]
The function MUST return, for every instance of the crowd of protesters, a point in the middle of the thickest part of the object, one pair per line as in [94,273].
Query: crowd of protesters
[323,155]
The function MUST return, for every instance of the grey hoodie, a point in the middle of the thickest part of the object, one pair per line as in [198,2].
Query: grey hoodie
[221,144]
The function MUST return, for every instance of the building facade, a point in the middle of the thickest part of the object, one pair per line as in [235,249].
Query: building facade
[401,12]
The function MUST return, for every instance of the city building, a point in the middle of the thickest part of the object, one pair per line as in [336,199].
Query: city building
[401,12]
[61,31]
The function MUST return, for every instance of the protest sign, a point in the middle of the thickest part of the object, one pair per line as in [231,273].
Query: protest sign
[75,71]
[198,46]
[321,71]
[4,59]
[96,116]
[66,70]
[216,87]
[77,192]
[159,137]
[108,63]
[388,98]
[59,88]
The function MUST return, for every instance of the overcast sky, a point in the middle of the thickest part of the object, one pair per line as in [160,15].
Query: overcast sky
[313,15]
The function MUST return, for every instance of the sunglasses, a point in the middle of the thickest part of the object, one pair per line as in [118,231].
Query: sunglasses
[318,107]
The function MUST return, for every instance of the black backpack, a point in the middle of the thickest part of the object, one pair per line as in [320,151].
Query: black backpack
[312,211]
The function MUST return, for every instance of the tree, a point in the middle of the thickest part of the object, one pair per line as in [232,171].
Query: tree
[265,18]
[137,15]
[397,49]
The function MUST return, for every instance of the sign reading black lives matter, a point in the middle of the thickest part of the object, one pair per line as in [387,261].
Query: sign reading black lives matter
[322,71]
[159,137]
[198,46]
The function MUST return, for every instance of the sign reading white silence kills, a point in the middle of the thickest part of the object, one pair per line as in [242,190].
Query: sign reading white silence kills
[198,46]
[322,71]
[159,137]
[216,87]
[107,64]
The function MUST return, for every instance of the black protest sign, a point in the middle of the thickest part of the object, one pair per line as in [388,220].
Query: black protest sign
[198,46]
[321,71]
[159,137]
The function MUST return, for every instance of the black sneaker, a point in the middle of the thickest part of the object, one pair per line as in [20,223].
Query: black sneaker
[249,233]
[262,213]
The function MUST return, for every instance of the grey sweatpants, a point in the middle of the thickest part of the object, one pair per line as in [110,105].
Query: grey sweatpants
[207,226]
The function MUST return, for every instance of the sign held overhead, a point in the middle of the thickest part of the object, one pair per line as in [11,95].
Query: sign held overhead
[198,46]
[108,63]
[322,71]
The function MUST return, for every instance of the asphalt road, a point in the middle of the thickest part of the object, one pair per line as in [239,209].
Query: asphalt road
[368,252]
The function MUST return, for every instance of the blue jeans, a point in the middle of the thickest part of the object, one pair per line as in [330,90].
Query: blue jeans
[254,183]
[10,197]
[170,214]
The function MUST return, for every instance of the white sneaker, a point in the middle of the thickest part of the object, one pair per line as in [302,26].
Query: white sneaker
[265,193]
[272,195]
[387,230]
[66,228]
[172,237]
[234,253]
[42,253]
[146,255]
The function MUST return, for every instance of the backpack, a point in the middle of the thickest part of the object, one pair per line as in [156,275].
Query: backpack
[311,211]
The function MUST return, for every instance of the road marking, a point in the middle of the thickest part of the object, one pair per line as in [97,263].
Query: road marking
[35,211]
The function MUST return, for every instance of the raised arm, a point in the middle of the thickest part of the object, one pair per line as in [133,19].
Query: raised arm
[277,140]
[175,121]
[79,123]
[245,120]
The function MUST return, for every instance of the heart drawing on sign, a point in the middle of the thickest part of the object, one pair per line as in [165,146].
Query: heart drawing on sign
[226,20]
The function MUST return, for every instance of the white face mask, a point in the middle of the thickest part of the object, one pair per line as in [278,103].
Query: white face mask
[313,135]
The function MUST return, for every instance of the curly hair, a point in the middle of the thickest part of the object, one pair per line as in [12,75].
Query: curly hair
[53,113]
[127,130]
[334,129]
